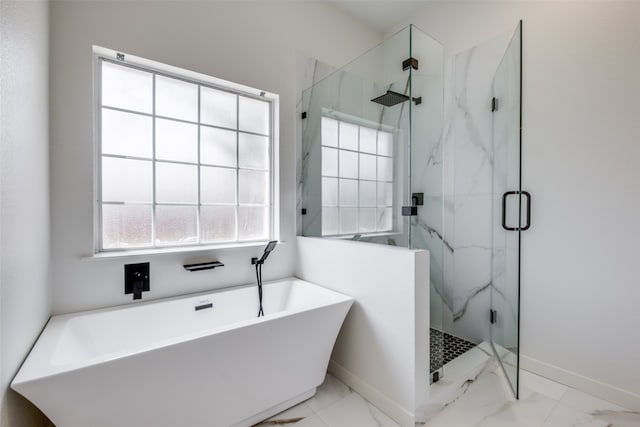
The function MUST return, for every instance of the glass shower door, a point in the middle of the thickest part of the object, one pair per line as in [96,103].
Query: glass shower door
[510,213]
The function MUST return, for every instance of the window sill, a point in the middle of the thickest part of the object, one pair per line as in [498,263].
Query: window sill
[131,253]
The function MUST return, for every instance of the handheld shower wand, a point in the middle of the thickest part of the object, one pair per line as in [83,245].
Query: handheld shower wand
[258,263]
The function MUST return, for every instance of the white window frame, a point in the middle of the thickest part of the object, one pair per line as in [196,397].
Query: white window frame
[100,54]
[360,122]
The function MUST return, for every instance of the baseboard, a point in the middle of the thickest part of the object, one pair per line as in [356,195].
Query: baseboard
[596,388]
[373,395]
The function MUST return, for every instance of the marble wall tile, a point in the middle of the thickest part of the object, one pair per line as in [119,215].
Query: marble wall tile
[468,172]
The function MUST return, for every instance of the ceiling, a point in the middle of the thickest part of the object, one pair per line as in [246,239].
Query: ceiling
[381,15]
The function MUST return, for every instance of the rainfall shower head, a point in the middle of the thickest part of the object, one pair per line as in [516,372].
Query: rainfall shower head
[392,98]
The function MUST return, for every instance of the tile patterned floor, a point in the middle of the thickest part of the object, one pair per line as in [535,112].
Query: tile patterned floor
[486,403]
[445,347]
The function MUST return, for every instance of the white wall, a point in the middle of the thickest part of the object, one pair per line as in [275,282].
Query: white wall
[253,43]
[580,275]
[24,195]
[382,350]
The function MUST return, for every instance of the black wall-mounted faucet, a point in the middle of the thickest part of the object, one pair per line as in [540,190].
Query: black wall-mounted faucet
[138,284]
[136,279]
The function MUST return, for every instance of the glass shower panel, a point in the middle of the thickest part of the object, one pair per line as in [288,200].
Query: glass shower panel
[427,82]
[371,141]
[355,151]
[507,209]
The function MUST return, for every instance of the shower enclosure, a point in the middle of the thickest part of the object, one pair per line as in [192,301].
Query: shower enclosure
[372,170]
[372,154]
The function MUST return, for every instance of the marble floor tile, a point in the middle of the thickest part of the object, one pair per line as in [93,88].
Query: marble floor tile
[353,410]
[291,416]
[312,421]
[459,374]
[585,402]
[329,392]
[581,409]
[532,383]
[563,416]
[487,402]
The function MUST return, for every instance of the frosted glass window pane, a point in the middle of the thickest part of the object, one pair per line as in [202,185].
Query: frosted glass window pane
[126,134]
[125,180]
[253,115]
[329,161]
[125,87]
[218,223]
[329,221]
[217,146]
[385,194]
[176,224]
[348,164]
[218,185]
[348,192]
[176,141]
[176,99]
[367,193]
[218,108]
[385,219]
[126,226]
[368,140]
[329,192]
[367,220]
[367,167]
[253,151]
[385,169]
[348,136]
[385,143]
[254,187]
[329,132]
[348,220]
[176,183]
[253,223]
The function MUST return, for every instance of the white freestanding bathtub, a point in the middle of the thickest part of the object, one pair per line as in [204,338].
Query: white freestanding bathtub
[167,364]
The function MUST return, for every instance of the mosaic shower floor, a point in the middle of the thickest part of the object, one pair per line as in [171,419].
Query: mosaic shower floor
[446,347]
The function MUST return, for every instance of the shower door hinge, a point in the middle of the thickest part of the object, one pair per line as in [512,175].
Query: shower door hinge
[304,115]
[435,377]
[492,316]
[304,211]
[494,104]
[409,63]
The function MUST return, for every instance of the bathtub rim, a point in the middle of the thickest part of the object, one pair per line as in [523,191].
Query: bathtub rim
[40,367]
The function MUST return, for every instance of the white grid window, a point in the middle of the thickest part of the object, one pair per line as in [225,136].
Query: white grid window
[181,162]
[357,178]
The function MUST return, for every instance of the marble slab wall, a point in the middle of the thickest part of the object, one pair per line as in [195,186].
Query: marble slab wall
[468,171]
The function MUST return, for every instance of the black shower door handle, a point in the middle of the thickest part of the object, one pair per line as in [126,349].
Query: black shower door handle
[504,211]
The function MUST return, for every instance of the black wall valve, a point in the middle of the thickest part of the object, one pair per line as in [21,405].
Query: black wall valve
[136,279]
